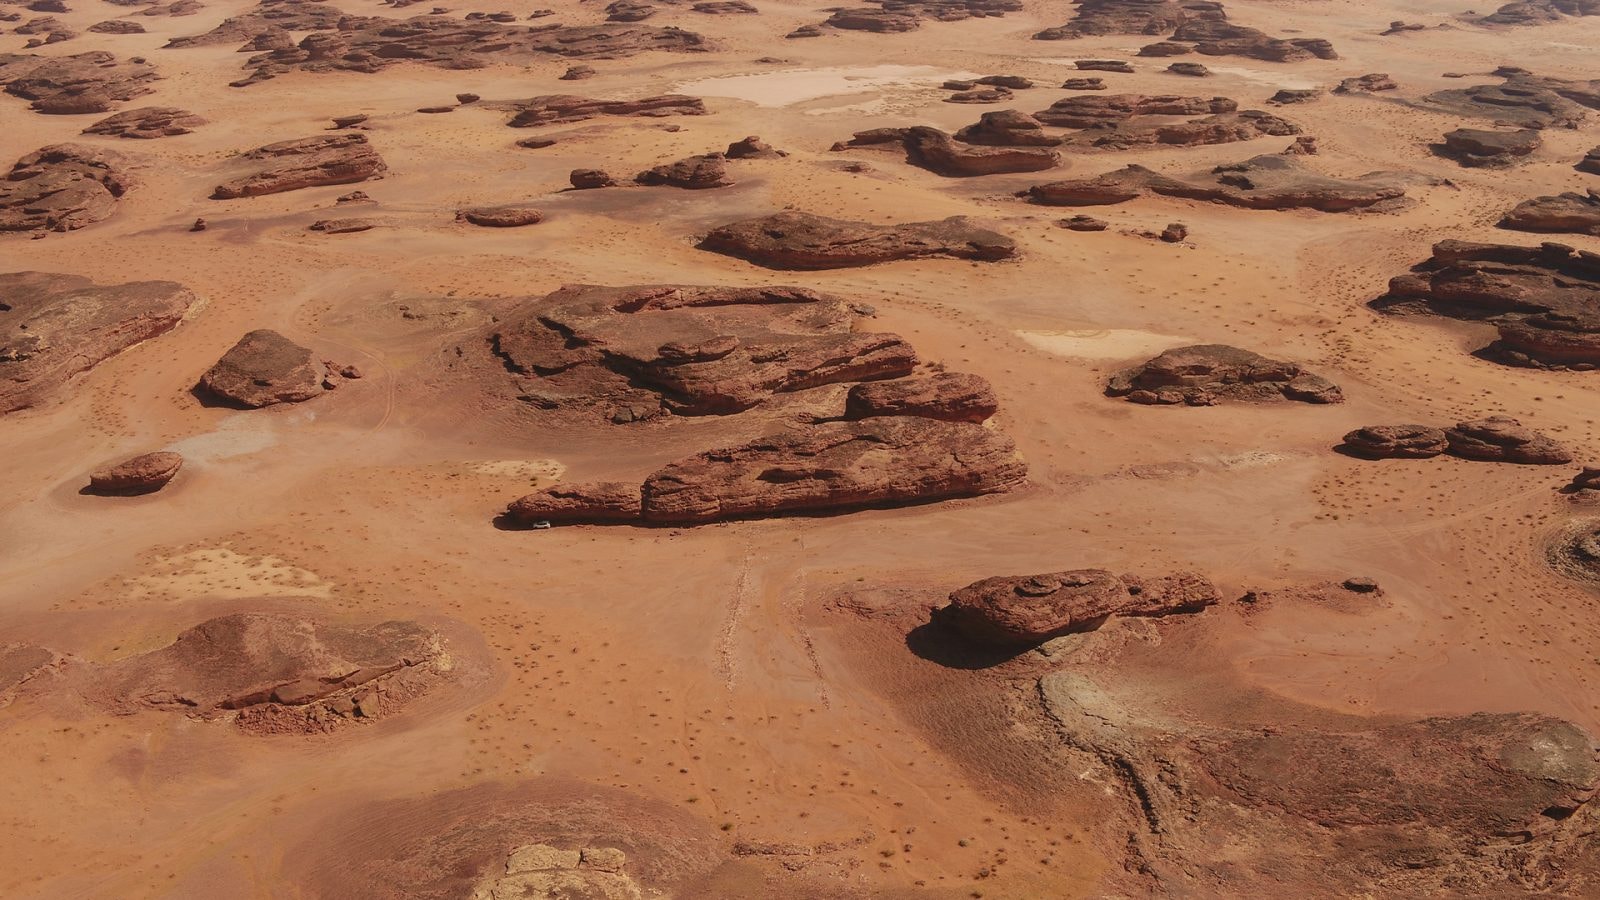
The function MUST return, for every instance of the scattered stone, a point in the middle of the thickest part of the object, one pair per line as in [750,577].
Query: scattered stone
[949,396]
[512,215]
[435,109]
[1175,233]
[53,327]
[1193,70]
[805,31]
[708,170]
[306,162]
[199,225]
[73,85]
[1398,26]
[467,99]
[1305,145]
[981,95]
[1209,374]
[1366,84]
[349,121]
[578,73]
[1474,147]
[1288,96]
[147,122]
[1360,585]
[724,8]
[1084,223]
[262,369]
[142,474]
[602,503]
[797,240]
[536,143]
[563,109]
[1504,439]
[628,11]
[353,197]
[587,179]
[1009,82]
[1027,610]
[62,187]
[1585,486]
[1569,212]
[342,226]
[1395,442]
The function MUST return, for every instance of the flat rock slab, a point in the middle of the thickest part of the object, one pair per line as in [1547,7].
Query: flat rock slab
[1264,182]
[147,122]
[53,327]
[264,368]
[344,158]
[91,82]
[142,474]
[796,240]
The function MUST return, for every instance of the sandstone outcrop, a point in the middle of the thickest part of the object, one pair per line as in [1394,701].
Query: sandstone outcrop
[1395,442]
[306,162]
[564,109]
[1590,162]
[1084,84]
[753,147]
[267,17]
[1366,84]
[511,215]
[1570,212]
[1540,12]
[1100,110]
[891,16]
[1208,374]
[936,151]
[1215,37]
[708,170]
[147,122]
[143,474]
[264,368]
[70,85]
[117,26]
[53,327]
[1542,299]
[1007,128]
[589,179]
[602,503]
[1475,147]
[1523,100]
[639,352]
[1027,610]
[797,240]
[272,673]
[342,226]
[61,187]
[1189,69]
[949,396]
[1108,17]
[1504,439]
[1264,182]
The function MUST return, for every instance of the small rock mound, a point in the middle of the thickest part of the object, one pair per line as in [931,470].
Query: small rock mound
[1504,439]
[264,368]
[147,122]
[142,474]
[1027,610]
[1568,212]
[753,147]
[1575,551]
[1007,128]
[1395,442]
[936,151]
[1208,374]
[1366,84]
[1590,162]
[62,187]
[513,215]
[708,170]
[74,85]
[562,109]
[1477,148]
[797,240]
[303,163]
[950,396]
[600,503]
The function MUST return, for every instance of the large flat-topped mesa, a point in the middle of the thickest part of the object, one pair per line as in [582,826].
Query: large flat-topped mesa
[797,240]
[53,327]
[1262,182]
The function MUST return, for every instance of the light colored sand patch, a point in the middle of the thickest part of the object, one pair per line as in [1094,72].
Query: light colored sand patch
[1253,459]
[1261,76]
[220,572]
[239,435]
[537,469]
[792,86]
[1102,343]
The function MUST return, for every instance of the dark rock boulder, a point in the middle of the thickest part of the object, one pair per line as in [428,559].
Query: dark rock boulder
[1027,610]
[1475,147]
[1208,374]
[589,179]
[62,187]
[1264,182]
[262,369]
[1395,442]
[1366,84]
[1504,439]
[797,240]
[512,215]
[142,474]
[753,147]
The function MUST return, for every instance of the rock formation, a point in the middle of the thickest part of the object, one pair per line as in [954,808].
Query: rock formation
[147,122]
[511,215]
[1523,100]
[1007,128]
[306,162]
[563,109]
[753,147]
[1027,610]
[642,351]
[1542,299]
[1366,84]
[890,16]
[61,188]
[589,179]
[1395,442]
[1215,37]
[1504,439]
[53,327]
[1569,212]
[949,396]
[272,673]
[71,85]
[1540,12]
[1101,110]
[1590,162]
[709,170]
[1208,374]
[1475,147]
[1189,69]
[262,369]
[797,240]
[143,474]
[1264,182]
[1109,17]
[936,151]
[601,503]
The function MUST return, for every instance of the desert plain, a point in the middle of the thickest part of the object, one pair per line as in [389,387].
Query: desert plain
[932,449]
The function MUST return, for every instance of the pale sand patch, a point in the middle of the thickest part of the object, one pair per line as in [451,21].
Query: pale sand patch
[239,435]
[1102,343]
[793,86]
[1261,76]
[536,469]
[221,572]
[1252,459]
